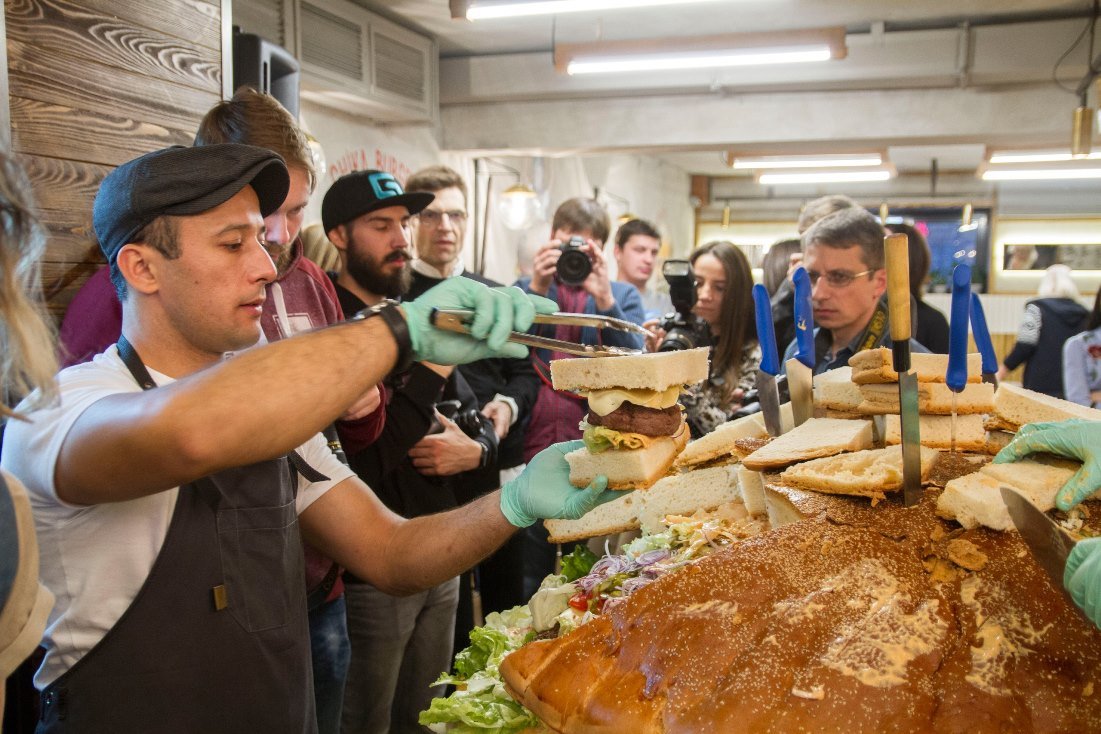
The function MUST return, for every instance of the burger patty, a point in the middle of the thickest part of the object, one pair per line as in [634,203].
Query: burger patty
[632,418]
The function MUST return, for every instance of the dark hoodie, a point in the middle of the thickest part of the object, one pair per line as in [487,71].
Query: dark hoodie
[1048,322]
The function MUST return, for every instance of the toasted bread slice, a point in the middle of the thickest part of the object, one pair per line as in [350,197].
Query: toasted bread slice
[627,468]
[679,494]
[868,473]
[872,366]
[933,397]
[655,371]
[936,431]
[816,437]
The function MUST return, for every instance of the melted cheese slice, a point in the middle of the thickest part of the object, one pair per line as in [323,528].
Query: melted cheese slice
[603,402]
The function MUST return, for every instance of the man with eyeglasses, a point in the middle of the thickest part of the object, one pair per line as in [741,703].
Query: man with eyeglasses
[504,389]
[843,255]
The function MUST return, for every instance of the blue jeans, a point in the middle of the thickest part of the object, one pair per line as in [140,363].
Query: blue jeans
[331,652]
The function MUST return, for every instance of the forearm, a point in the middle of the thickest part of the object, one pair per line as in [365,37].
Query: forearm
[261,404]
[428,550]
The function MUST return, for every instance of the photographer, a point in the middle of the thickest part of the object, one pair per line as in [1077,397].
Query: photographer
[724,302]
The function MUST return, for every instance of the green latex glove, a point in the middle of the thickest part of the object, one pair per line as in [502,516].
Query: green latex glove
[1082,577]
[497,311]
[543,489]
[1074,439]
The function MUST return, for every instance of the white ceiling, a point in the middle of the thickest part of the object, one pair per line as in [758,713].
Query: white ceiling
[993,58]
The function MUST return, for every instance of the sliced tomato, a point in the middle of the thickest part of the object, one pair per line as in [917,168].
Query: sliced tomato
[579,601]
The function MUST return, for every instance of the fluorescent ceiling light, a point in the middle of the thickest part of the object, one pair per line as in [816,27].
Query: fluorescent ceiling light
[708,60]
[770,162]
[701,52]
[1049,156]
[483,10]
[1040,174]
[768,179]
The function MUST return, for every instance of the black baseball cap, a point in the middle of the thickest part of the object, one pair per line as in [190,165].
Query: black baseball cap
[357,193]
[183,181]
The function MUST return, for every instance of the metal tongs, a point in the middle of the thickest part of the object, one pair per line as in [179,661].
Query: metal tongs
[458,320]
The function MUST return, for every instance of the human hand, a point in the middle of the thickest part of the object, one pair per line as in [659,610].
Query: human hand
[500,414]
[544,266]
[597,284]
[446,453]
[543,489]
[497,313]
[1075,439]
[1082,577]
[795,259]
[657,334]
[366,404]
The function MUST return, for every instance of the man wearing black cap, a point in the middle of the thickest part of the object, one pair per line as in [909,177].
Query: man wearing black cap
[169,484]
[399,644]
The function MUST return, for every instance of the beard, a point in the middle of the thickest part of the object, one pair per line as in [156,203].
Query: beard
[368,273]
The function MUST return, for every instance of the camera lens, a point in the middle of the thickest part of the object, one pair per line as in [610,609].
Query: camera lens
[574,265]
[678,339]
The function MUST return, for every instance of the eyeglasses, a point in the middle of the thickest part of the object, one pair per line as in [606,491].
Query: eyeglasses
[434,218]
[836,278]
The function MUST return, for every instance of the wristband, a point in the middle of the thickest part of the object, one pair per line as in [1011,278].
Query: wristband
[390,312]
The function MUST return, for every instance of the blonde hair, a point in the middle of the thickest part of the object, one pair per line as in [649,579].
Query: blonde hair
[27,357]
[1056,283]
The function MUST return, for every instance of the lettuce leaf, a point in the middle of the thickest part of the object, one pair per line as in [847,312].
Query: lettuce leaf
[578,563]
[478,713]
[485,645]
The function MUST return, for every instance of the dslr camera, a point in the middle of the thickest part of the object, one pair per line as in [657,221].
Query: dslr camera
[574,264]
[683,329]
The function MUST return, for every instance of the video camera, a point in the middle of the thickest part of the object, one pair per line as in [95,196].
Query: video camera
[683,329]
[574,265]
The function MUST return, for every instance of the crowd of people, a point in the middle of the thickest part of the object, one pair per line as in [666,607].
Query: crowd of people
[289,469]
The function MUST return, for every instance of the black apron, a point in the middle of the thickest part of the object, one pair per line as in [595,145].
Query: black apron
[216,639]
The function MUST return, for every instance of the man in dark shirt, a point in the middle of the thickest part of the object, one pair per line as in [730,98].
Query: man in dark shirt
[505,388]
[844,257]
[399,644]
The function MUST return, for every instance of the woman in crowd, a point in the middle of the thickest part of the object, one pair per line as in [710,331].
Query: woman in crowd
[1048,322]
[724,302]
[776,267]
[1082,361]
[27,363]
[932,327]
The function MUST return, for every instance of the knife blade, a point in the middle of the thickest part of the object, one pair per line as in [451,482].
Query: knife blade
[1050,544]
[956,375]
[982,341]
[896,248]
[767,392]
[800,369]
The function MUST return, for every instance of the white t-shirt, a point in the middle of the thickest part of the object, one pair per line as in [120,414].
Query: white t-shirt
[96,558]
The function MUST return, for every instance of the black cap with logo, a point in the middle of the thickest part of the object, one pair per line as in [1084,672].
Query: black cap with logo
[361,192]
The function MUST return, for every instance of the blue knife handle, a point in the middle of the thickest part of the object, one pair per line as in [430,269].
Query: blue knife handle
[982,336]
[804,318]
[956,377]
[766,331]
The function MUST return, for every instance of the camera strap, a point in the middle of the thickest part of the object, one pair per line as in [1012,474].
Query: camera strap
[877,327]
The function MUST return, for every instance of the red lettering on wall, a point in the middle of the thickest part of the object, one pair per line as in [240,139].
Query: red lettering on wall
[361,160]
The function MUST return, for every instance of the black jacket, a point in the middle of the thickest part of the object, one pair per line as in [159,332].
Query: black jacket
[1048,322]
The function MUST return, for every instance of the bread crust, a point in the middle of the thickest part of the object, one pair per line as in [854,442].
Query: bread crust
[585,466]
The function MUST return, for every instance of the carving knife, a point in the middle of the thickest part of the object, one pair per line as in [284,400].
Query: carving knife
[898,305]
[767,392]
[956,376]
[1049,543]
[800,369]
[982,341]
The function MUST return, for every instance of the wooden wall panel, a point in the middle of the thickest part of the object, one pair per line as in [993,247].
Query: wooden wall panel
[94,83]
[96,88]
[70,29]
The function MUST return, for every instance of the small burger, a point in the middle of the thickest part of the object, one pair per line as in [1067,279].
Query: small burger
[635,428]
